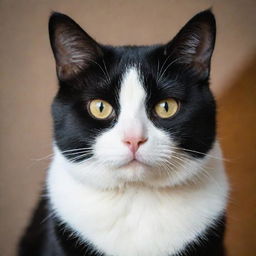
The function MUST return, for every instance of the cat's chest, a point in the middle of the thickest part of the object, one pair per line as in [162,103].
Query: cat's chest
[135,221]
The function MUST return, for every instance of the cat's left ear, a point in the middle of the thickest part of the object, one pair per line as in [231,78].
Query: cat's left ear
[74,50]
[194,44]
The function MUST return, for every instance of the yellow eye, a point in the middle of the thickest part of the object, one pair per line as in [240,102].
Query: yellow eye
[100,109]
[166,108]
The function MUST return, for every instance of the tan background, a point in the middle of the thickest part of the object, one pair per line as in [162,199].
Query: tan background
[28,84]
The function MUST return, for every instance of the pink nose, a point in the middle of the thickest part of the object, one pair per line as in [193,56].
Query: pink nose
[133,143]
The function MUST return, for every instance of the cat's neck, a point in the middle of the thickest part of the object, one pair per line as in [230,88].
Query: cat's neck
[169,218]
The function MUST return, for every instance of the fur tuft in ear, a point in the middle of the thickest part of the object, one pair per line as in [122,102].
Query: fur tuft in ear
[72,47]
[194,44]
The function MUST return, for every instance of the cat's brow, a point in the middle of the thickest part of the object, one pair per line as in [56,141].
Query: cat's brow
[171,88]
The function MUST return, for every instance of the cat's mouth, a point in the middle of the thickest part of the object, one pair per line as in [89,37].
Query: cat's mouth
[134,163]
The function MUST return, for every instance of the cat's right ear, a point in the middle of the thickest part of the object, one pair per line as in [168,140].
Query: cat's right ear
[72,47]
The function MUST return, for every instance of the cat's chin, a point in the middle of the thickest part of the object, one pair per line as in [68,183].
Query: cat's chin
[133,170]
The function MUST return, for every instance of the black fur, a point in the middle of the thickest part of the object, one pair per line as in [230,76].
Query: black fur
[183,76]
[179,69]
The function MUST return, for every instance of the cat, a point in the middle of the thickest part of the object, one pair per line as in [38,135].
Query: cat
[137,167]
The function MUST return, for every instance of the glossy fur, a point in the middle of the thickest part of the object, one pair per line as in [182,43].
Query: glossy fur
[42,241]
[167,199]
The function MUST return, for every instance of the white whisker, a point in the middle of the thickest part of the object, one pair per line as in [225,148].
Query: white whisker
[160,72]
[171,63]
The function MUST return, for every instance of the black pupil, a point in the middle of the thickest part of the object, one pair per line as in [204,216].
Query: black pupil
[166,106]
[101,106]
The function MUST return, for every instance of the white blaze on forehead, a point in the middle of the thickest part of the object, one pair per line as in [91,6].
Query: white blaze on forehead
[132,94]
[132,102]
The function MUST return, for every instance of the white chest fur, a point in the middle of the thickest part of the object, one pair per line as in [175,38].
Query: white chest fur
[136,220]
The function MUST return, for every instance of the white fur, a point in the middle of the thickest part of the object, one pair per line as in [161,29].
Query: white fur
[147,209]
[162,163]
[138,220]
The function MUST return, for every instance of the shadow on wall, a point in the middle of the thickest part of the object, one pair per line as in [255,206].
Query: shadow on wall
[237,133]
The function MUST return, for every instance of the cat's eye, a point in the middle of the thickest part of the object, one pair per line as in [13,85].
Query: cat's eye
[166,108]
[100,109]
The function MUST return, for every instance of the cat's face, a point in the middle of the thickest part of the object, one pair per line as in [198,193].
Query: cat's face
[133,115]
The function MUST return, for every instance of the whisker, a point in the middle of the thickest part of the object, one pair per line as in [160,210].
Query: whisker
[48,217]
[106,70]
[163,67]
[100,69]
[157,72]
[78,157]
[77,153]
[43,158]
[198,152]
[75,150]
[171,63]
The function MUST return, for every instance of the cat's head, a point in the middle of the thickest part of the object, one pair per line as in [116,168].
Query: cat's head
[133,114]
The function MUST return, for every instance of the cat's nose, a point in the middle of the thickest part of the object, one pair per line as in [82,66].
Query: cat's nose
[133,143]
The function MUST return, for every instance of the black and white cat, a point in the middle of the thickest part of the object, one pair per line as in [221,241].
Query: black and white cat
[137,168]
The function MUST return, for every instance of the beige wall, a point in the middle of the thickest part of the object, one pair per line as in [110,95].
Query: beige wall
[237,126]
[28,82]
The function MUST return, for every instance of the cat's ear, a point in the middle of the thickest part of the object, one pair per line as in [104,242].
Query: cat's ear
[72,47]
[194,44]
